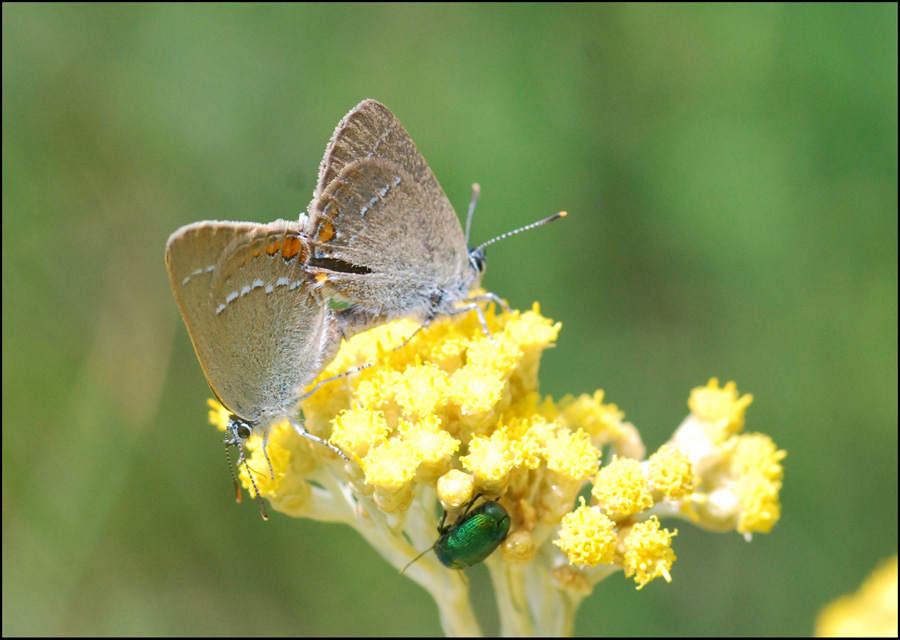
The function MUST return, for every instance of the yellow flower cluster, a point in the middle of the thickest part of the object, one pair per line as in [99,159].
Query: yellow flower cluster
[709,473]
[453,414]
[870,612]
[738,475]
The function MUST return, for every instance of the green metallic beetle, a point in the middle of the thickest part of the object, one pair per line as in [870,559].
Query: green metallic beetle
[472,537]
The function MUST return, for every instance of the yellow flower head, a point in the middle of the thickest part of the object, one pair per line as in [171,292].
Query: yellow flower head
[721,407]
[870,612]
[757,472]
[621,488]
[648,552]
[587,537]
[671,473]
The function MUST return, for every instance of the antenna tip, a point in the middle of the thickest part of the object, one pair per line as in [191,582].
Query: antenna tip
[476,187]
[562,214]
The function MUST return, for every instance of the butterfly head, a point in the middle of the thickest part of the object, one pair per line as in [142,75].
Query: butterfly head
[478,261]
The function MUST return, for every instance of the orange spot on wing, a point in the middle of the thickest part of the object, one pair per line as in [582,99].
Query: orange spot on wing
[273,247]
[292,246]
[326,232]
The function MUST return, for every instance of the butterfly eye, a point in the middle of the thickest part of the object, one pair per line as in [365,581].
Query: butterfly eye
[478,259]
[243,431]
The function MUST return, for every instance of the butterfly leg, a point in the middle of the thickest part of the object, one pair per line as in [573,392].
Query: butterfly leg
[300,429]
[473,306]
[332,379]
[492,297]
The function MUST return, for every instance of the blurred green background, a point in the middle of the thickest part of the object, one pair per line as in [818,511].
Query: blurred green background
[731,178]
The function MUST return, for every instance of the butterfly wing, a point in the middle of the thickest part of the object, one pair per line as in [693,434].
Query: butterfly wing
[384,235]
[259,332]
[370,130]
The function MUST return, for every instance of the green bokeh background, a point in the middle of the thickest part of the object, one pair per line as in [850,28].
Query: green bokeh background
[731,178]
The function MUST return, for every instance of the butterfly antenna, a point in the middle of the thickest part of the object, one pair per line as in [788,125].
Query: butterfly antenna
[237,487]
[527,227]
[476,191]
[259,500]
